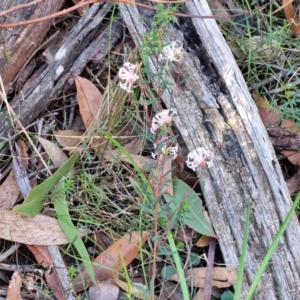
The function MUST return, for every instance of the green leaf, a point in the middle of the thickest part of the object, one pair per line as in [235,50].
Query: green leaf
[193,214]
[33,203]
[66,224]
[227,296]
[168,272]
[144,191]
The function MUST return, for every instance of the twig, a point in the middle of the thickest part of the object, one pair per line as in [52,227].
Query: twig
[13,114]
[18,7]
[209,270]
[9,252]
[48,17]
[61,271]
[65,11]
[21,268]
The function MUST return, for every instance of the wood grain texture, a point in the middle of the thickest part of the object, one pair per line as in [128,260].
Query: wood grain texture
[17,44]
[216,111]
[87,40]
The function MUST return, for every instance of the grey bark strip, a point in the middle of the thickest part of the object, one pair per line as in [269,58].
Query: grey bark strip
[50,80]
[216,111]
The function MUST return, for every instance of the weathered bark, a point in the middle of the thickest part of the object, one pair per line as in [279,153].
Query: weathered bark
[18,43]
[88,41]
[217,112]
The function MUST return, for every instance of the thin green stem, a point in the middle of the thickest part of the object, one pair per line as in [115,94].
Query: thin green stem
[182,279]
[272,248]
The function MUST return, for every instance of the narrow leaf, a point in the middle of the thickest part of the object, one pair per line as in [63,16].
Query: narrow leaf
[193,214]
[113,259]
[33,203]
[66,224]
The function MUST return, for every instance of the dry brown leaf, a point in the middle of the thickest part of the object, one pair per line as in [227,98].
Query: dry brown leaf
[55,153]
[290,15]
[285,4]
[268,114]
[23,149]
[68,138]
[106,290]
[89,98]
[137,293]
[13,292]
[112,260]
[293,183]
[143,162]
[222,277]
[9,191]
[134,147]
[290,126]
[293,156]
[43,257]
[40,230]
[199,295]
[203,241]
[185,234]
[162,182]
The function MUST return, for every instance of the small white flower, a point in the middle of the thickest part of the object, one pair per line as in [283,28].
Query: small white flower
[171,151]
[172,52]
[164,117]
[128,73]
[199,157]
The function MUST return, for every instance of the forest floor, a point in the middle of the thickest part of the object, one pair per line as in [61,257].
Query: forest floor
[98,199]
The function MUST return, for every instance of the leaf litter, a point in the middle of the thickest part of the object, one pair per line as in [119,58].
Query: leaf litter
[105,194]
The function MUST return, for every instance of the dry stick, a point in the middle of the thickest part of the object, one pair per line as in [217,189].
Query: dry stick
[65,11]
[6,12]
[53,250]
[61,272]
[13,114]
[156,194]
[45,18]
[9,252]
[209,270]
[169,1]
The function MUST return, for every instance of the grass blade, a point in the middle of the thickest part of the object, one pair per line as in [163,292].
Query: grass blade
[64,220]
[33,203]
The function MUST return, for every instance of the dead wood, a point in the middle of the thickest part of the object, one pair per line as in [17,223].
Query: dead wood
[283,139]
[18,44]
[87,41]
[216,111]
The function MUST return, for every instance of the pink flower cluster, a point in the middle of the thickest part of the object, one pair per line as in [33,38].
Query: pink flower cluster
[172,52]
[173,151]
[199,158]
[128,76]
[128,73]
[162,118]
